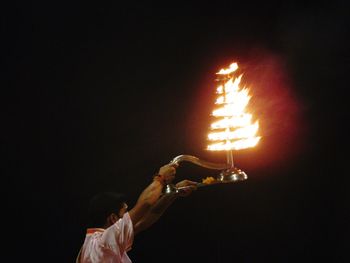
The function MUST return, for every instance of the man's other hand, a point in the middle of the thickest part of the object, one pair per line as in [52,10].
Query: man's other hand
[186,187]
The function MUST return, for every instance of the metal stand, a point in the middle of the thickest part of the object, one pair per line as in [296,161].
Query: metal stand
[229,173]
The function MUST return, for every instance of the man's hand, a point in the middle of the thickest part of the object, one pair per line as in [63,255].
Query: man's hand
[167,172]
[186,187]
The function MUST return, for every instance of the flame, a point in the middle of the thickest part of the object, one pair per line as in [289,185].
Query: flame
[229,70]
[234,129]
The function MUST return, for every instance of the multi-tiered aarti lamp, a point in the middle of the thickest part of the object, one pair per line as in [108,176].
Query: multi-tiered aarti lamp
[233,129]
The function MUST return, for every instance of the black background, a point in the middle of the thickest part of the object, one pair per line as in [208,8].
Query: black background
[99,96]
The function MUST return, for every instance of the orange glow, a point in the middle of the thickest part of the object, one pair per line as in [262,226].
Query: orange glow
[234,129]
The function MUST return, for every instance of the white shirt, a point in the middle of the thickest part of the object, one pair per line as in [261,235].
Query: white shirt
[109,245]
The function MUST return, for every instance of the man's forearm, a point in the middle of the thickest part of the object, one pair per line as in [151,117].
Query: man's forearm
[151,204]
[155,212]
[146,201]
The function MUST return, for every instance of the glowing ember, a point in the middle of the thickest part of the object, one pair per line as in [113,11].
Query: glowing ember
[234,129]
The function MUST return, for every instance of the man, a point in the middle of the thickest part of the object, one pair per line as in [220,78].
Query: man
[112,229]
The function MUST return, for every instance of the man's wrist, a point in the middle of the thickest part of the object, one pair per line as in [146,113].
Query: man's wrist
[159,178]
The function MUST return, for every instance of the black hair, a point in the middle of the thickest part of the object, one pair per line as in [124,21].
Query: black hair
[102,205]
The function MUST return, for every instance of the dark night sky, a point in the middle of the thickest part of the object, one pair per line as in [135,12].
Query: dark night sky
[99,96]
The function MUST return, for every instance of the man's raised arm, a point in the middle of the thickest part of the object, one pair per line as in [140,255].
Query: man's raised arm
[152,193]
[156,211]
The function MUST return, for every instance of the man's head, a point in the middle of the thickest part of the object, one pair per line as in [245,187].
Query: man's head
[106,208]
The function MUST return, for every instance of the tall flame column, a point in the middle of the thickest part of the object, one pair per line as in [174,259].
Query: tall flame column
[232,130]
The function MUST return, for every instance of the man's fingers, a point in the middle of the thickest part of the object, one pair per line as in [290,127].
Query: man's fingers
[186,190]
[186,183]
